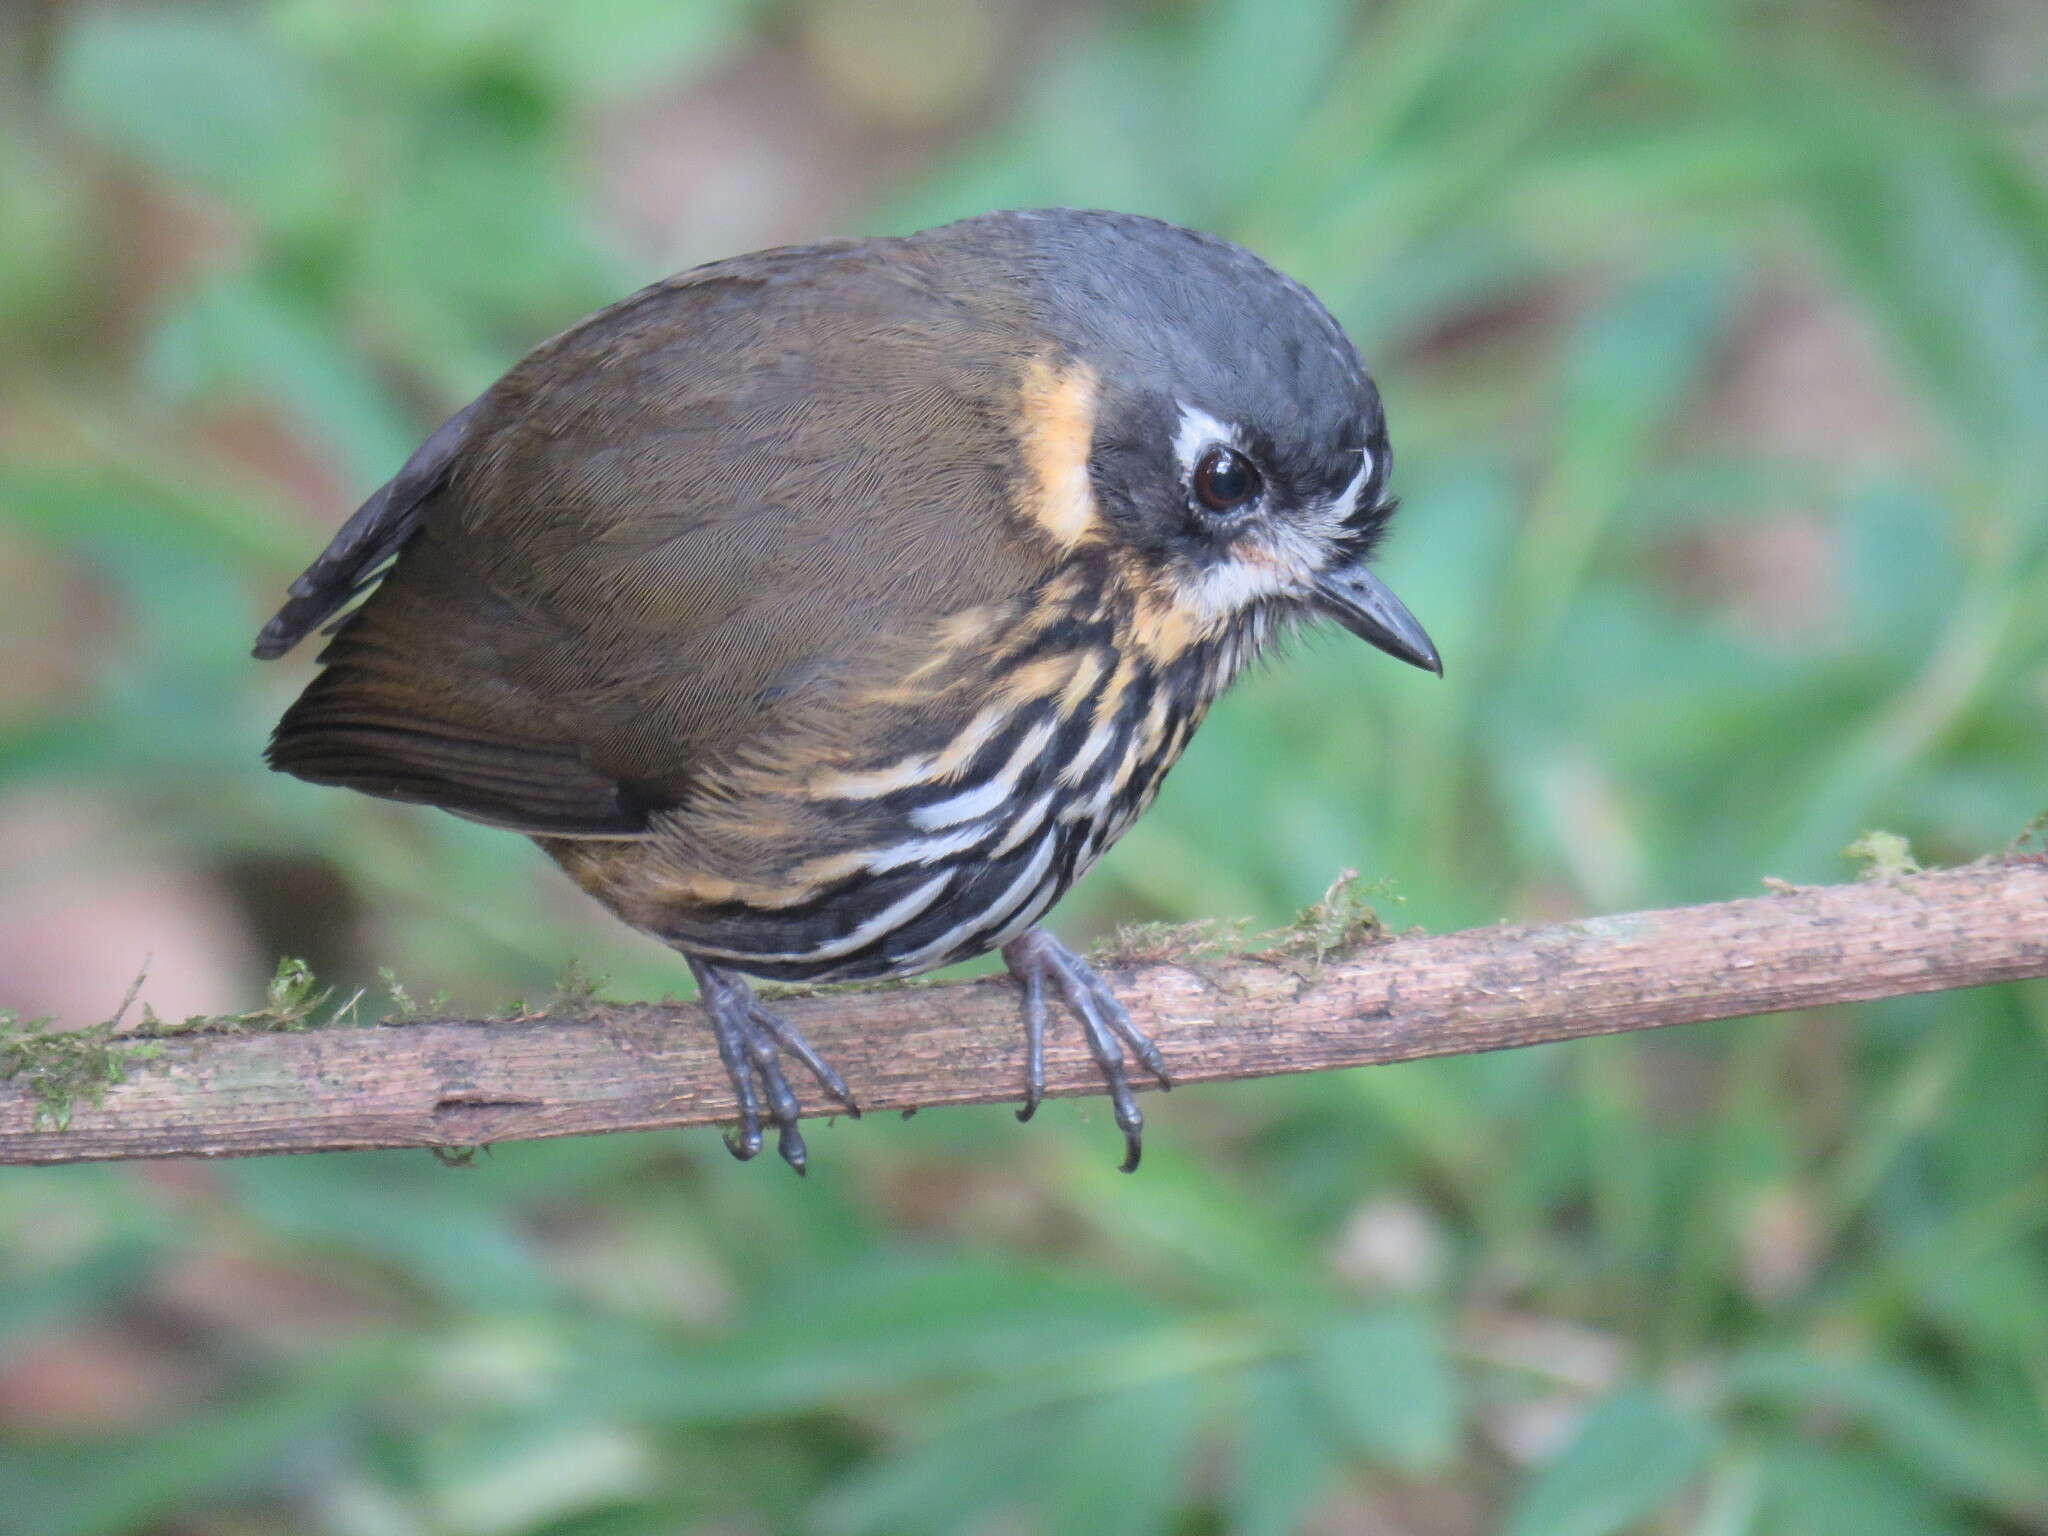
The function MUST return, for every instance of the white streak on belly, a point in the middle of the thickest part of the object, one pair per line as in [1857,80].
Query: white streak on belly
[984,798]
[1026,823]
[919,768]
[886,921]
[1018,890]
[1097,743]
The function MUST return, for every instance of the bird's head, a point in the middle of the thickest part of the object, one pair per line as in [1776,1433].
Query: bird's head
[1207,418]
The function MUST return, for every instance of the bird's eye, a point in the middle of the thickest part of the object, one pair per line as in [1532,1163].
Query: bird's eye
[1225,479]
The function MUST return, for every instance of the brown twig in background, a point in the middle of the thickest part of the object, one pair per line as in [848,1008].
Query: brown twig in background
[464,1082]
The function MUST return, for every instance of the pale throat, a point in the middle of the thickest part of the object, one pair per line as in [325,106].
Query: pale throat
[1276,557]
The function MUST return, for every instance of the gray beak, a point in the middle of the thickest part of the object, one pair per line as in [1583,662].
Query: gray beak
[1363,604]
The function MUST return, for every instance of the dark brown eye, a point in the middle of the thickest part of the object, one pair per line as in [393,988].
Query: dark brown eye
[1225,478]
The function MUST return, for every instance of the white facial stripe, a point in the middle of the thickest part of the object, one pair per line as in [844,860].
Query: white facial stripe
[1346,500]
[1281,556]
[1198,429]
[1232,584]
[1324,523]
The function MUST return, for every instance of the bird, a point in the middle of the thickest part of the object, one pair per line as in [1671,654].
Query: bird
[826,612]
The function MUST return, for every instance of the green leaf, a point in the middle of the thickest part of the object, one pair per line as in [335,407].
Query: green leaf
[1904,572]
[885,1322]
[956,1481]
[128,1484]
[1944,232]
[1193,1218]
[104,1278]
[402,1209]
[1828,1493]
[1629,370]
[246,339]
[45,263]
[1634,1453]
[1284,1457]
[1119,1459]
[1291,49]
[1383,1378]
[204,98]
[1925,1426]
[613,47]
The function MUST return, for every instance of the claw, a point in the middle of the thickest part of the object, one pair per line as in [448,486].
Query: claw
[789,1142]
[1118,1017]
[751,1042]
[1036,958]
[797,1046]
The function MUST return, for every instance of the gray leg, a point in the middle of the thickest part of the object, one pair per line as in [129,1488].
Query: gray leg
[1033,983]
[750,1040]
[1037,959]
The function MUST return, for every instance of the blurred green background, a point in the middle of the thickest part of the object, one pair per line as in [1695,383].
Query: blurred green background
[1715,341]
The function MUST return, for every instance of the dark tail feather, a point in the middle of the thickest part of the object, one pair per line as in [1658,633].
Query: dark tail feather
[367,542]
[335,734]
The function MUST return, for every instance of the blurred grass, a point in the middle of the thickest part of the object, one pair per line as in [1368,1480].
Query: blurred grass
[1715,338]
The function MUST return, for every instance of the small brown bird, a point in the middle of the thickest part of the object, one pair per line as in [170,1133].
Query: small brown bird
[827,612]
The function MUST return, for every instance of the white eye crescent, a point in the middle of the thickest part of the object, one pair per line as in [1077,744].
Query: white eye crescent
[1197,432]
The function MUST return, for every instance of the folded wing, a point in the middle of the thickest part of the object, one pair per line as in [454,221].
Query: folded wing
[700,509]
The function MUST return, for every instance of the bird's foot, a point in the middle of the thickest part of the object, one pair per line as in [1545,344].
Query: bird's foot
[1037,960]
[751,1042]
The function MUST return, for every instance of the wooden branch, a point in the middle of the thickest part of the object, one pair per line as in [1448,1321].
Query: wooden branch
[463,1082]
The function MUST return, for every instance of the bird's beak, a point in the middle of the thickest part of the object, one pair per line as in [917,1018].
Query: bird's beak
[1363,604]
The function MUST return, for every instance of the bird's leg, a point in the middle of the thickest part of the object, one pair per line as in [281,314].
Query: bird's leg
[732,1050]
[787,1037]
[1032,980]
[1036,958]
[750,1040]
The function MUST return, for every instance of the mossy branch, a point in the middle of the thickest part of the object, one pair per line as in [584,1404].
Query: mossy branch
[1333,992]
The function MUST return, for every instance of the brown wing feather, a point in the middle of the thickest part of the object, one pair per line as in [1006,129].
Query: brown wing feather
[412,703]
[701,510]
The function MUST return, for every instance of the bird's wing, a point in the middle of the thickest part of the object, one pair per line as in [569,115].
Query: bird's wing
[701,511]
[366,544]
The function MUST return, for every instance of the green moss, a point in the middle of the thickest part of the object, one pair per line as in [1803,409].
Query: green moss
[1345,919]
[769,991]
[577,990]
[1342,921]
[291,999]
[1882,855]
[577,994]
[405,1009]
[2033,839]
[1172,943]
[64,1067]
[291,1002]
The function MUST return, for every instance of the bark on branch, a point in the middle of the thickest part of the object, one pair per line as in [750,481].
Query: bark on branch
[463,1082]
